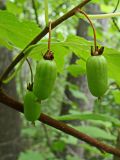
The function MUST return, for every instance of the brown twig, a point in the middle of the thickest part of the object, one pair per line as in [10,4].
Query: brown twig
[10,102]
[39,37]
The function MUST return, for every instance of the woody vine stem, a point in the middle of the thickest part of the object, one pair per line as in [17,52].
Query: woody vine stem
[12,103]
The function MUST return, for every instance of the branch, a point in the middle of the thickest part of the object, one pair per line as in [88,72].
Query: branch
[39,37]
[103,16]
[10,102]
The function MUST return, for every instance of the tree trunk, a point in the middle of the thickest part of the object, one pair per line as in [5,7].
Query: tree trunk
[10,124]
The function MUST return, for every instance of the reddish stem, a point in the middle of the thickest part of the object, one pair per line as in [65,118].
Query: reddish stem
[49,39]
[94,31]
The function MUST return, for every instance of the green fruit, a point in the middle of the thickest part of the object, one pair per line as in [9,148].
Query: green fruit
[32,108]
[96,67]
[44,80]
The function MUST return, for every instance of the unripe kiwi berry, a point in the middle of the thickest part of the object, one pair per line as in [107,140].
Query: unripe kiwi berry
[45,76]
[32,108]
[97,75]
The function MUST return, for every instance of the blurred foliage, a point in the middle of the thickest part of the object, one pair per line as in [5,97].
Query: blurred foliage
[17,29]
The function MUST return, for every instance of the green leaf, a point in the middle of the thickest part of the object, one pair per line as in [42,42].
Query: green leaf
[89,116]
[17,69]
[72,44]
[58,49]
[76,69]
[3,42]
[81,48]
[70,139]
[58,145]
[113,59]
[78,94]
[96,132]
[75,157]
[59,53]
[19,65]
[95,151]
[116,95]
[29,132]
[15,32]
[106,8]
[31,155]
[78,45]
[13,7]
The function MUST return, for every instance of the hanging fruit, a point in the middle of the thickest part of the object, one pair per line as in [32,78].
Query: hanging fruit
[45,76]
[32,108]
[96,67]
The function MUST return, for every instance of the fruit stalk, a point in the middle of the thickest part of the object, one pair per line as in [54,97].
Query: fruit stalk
[94,31]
